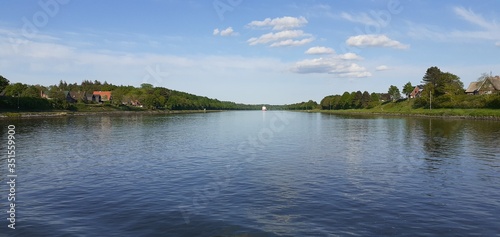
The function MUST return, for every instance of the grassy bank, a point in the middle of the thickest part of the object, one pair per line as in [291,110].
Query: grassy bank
[93,110]
[405,108]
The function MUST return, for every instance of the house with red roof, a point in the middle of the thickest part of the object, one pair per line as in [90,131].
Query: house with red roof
[105,95]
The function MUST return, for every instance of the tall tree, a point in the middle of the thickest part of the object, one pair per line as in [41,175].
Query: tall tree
[3,83]
[365,99]
[394,92]
[407,89]
[356,99]
[327,102]
[432,75]
[345,100]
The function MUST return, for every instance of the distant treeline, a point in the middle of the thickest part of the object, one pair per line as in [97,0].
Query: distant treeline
[31,97]
[353,100]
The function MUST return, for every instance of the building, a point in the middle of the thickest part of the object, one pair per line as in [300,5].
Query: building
[44,94]
[78,96]
[69,97]
[489,85]
[384,96]
[105,95]
[93,98]
[417,91]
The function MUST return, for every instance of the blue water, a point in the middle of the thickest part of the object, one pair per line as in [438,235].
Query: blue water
[254,173]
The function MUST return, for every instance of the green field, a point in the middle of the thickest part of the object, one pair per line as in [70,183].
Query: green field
[405,108]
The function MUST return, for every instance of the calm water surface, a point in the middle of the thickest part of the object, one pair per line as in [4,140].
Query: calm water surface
[254,174]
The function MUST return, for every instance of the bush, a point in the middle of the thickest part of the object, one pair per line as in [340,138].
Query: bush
[24,103]
[420,102]
[493,102]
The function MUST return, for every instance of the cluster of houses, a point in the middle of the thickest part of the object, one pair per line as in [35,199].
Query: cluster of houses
[490,85]
[73,97]
[97,97]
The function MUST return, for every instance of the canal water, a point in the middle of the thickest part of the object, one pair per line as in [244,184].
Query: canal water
[253,173]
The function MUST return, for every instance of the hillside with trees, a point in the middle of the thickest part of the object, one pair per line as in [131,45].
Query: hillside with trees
[23,97]
[440,90]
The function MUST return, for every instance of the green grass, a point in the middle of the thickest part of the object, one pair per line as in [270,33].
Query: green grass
[405,108]
[80,107]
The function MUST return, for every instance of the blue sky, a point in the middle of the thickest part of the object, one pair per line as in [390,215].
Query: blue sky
[276,52]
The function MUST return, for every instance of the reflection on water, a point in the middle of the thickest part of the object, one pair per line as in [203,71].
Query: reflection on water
[237,174]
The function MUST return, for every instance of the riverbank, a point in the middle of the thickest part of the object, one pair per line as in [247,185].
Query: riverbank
[475,114]
[8,115]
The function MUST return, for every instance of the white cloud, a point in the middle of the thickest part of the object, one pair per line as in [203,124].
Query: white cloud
[279,23]
[290,42]
[362,18]
[285,36]
[374,41]
[48,62]
[271,37]
[487,29]
[226,32]
[497,44]
[320,50]
[490,29]
[382,68]
[474,18]
[350,56]
[339,66]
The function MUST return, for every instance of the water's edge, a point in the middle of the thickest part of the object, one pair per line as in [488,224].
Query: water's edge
[361,113]
[27,115]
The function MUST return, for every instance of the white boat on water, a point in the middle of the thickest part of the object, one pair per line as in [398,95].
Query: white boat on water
[264,108]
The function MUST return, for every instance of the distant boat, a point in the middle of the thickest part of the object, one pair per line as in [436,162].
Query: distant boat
[264,108]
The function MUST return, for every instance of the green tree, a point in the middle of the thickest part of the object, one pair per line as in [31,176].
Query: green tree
[345,101]
[375,97]
[356,99]
[56,94]
[15,89]
[146,86]
[432,75]
[63,85]
[365,99]
[327,102]
[32,91]
[311,104]
[3,83]
[394,92]
[448,83]
[407,89]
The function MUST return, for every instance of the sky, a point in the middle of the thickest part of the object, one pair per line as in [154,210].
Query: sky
[254,52]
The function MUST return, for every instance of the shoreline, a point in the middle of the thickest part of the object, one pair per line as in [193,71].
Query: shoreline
[440,114]
[56,114]
[448,114]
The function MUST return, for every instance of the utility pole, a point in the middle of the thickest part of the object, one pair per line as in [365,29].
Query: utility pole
[430,104]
